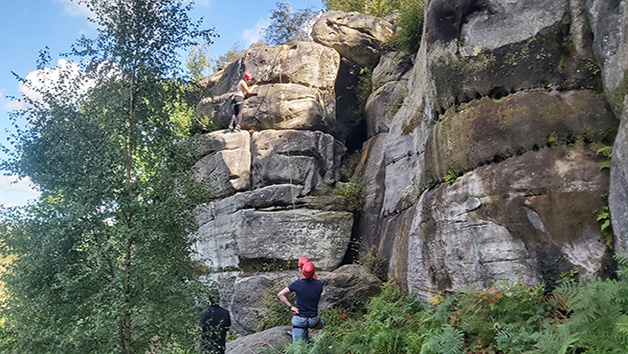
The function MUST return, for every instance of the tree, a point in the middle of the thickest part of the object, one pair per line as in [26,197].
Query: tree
[288,26]
[231,55]
[102,261]
[378,8]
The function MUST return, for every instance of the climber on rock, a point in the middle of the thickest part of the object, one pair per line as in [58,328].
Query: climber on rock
[305,313]
[242,90]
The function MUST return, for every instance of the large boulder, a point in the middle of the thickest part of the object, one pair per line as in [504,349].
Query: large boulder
[382,105]
[307,158]
[271,340]
[528,218]
[487,131]
[238,239]
[358,37]
[225,164]
[342,287]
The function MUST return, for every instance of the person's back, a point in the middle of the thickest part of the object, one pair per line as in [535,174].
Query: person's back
[215,322]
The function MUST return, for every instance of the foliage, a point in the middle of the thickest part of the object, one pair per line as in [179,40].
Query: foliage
[375,262]
[378,8]
[508,318]
[198,61]
[451,177]
[353,193]
[287,26]
[411,22]
[102,260]
[606,151]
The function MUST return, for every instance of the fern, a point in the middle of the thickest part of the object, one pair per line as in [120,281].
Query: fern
[449,341]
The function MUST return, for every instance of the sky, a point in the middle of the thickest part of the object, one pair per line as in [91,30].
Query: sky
[31,25]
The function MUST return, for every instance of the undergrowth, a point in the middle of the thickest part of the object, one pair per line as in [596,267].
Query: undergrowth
[506,319]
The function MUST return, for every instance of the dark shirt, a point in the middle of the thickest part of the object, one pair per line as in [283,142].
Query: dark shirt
[215,322]
[308,293]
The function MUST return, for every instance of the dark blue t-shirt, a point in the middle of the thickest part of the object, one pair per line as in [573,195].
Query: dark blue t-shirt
[308,293]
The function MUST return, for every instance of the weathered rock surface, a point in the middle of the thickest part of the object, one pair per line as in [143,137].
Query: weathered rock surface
[373,175]
[307,158]
[618,194]
[609,23]
[392,66]
[527,218]
[382,105]
[276,106]
[272,339]
[357,37]
[226,163]
[486,131]
[235,239]
[343,286]
[498,48]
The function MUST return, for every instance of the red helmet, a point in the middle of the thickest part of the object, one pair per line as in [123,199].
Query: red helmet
[247,75]
[308,270]
[302,261]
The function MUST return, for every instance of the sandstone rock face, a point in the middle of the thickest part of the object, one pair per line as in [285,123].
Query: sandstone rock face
[382,106]
[486,131]
[496,48]
[618,195]
[357,37]
[235,239]
[343,286]
[609,23]
[373,176]
[392,67]
[307,158]
[295,89]
[227,169]
[515,220]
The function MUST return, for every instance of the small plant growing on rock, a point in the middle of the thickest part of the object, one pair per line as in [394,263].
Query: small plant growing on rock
[375,262]
[451,177]
[606,151]
[353,193]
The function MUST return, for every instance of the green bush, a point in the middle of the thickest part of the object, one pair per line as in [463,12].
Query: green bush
[353,193]
[411,23]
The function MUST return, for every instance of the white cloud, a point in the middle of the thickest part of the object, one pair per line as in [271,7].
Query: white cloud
[75,10]
[252,35]
[13,184]
[202,2]
[50,80]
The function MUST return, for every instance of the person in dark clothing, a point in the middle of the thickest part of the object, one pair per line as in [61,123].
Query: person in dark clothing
[308,293]
[215,322]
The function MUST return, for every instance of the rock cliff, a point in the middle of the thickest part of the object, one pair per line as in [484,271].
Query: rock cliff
[479,152]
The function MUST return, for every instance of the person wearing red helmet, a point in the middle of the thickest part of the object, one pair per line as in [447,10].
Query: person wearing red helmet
[305,312]
[302,261]
[242,90]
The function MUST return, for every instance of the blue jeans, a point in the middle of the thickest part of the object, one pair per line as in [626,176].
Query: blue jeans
[300,327]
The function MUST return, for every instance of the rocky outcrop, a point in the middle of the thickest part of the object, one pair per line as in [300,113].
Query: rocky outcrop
[515,220]
[357,37]
[479,151]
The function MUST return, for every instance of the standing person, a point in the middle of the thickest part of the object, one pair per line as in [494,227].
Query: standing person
[242,90]
[308,293]
[215,323]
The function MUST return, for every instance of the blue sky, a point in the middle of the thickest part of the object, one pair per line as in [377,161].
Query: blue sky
[31,25]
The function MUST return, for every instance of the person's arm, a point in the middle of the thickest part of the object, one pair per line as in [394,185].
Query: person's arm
[282,297]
